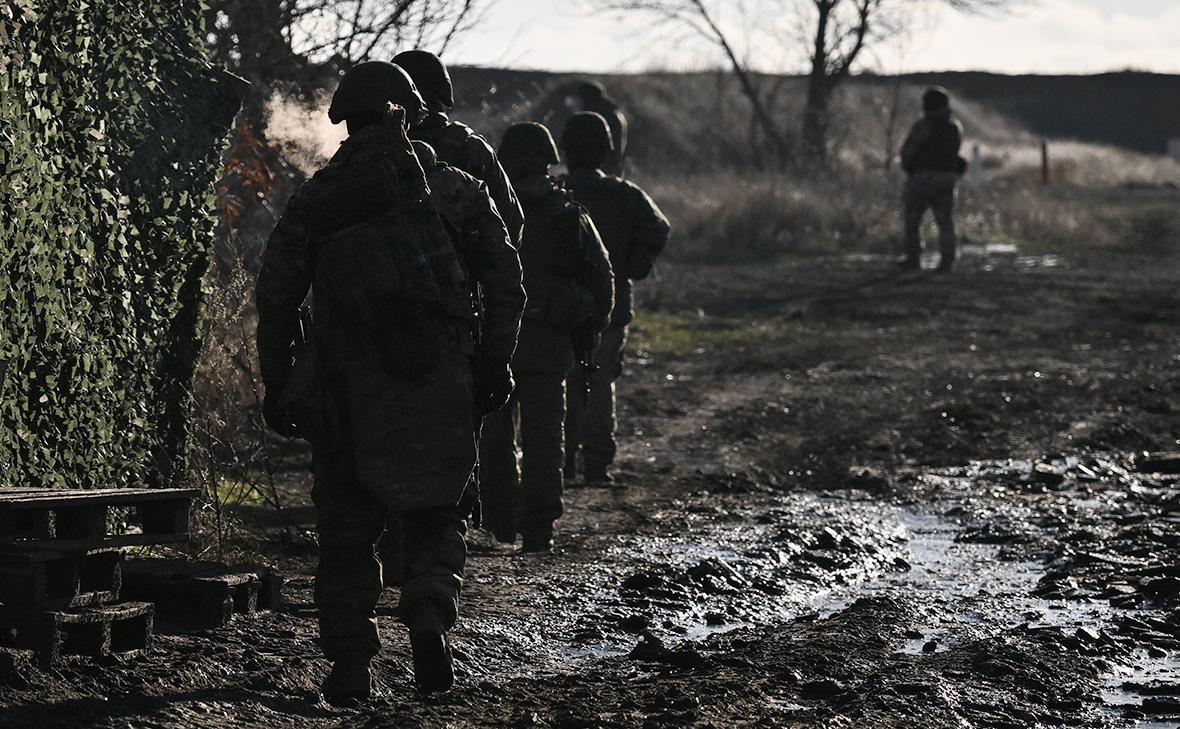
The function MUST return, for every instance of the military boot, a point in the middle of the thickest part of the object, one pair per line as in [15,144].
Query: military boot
[537,538]
[349,681]
[434,666]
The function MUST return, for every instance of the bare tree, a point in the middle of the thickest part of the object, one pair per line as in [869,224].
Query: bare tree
[701,18]
[269,41]
[841,30]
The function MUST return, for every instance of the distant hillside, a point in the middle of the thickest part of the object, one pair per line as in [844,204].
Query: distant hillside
[1139,111]
[693,122]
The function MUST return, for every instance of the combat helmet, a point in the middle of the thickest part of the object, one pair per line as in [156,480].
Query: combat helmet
[587,130]
[935,98]
[590,90]
[367,87]
[528,140]
[431,75]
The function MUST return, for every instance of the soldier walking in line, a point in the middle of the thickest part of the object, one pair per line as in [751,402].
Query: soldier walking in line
[930,158]
[455,143]
[568,281]
[635,233]
[383,384]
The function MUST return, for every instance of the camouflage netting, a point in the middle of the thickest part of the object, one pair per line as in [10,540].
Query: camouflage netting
[111,121]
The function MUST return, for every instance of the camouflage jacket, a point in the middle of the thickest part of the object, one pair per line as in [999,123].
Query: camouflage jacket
[633,229]
[933,145]
[459,146]
[567,277]
[489,259]
[404,434]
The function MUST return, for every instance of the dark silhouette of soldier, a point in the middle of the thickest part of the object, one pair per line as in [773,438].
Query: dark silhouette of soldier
[635,233]
[930,158]
[568,280]
[383,384]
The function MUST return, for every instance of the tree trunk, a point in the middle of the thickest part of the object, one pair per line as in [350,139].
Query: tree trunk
[815,112]
[815,122]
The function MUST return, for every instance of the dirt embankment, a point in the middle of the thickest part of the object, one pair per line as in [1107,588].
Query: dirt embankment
[847,498]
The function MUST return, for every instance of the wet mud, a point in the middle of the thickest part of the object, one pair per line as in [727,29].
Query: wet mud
[846,498]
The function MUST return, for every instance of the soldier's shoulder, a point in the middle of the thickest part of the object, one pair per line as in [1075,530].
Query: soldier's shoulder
[477,143]
[453,183]
[561,204]
[453,174]
[313,188]
[632,189]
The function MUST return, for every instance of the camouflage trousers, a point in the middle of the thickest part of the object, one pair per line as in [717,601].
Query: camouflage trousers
[590,426]
[348,584]
[934,191]
[529,499]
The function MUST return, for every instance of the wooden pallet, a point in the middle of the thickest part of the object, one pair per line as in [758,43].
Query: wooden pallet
[57,520]
[197,594]
[58,580]
[123,630]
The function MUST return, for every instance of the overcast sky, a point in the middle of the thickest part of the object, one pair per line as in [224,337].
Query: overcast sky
[1045,36]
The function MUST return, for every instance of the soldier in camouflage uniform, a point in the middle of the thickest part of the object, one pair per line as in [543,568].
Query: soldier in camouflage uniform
[569,284]
[383,384]
[635,233]
[454,143]
[930,158]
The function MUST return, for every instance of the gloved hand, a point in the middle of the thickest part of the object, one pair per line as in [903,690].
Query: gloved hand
[493,386]
[275,415]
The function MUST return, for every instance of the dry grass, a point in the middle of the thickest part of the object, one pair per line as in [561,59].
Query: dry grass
[733,218]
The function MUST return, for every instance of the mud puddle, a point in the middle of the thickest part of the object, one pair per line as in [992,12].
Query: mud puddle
[981,595]
[703,565]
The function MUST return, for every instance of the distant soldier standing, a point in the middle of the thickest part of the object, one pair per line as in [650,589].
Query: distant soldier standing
[635,233]
[592,97]
[568,280]
[383,385]
[457,144]
[930,158]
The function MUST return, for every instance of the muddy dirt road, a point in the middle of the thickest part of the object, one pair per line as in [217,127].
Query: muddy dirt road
[847,498]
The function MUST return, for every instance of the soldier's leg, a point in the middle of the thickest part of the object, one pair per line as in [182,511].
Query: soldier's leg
[575,408]
[598,439]
[542,410]
[943,205]
[435,554]
[348,577]
[498,475]
[914,206]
